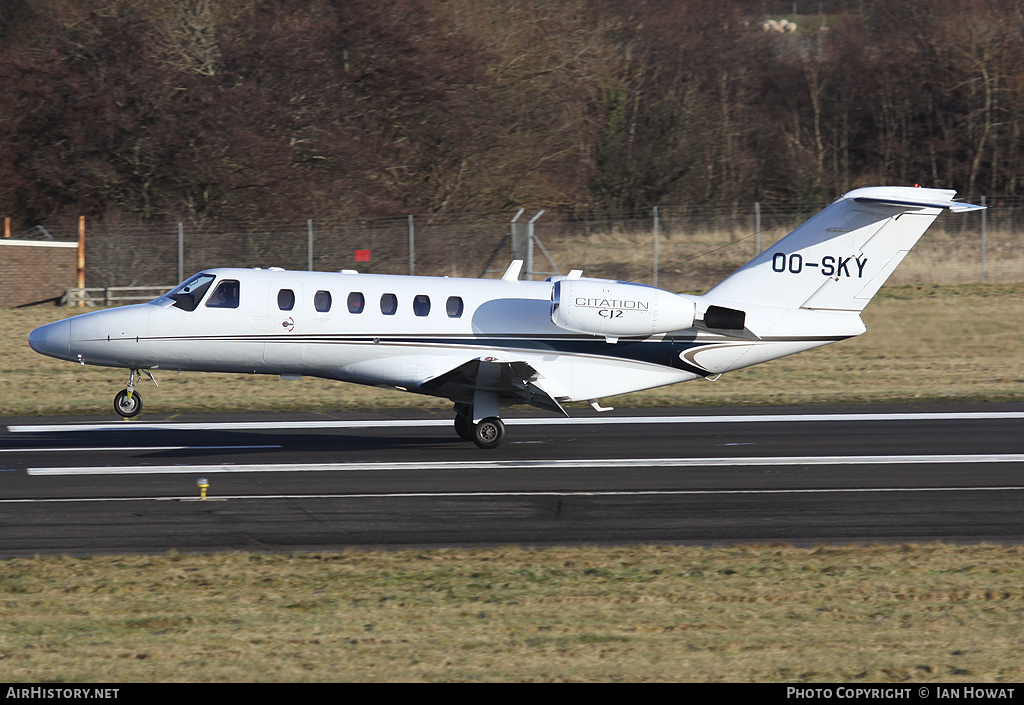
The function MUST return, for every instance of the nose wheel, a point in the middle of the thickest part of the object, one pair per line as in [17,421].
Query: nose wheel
[127,404]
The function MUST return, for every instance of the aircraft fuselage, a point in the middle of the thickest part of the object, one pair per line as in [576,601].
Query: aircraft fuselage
[384,330]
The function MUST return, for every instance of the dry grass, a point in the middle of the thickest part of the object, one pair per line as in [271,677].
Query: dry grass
[699,258]
[924,343]
[646,613]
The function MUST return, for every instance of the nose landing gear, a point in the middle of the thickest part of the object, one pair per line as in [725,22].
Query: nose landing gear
[128,402]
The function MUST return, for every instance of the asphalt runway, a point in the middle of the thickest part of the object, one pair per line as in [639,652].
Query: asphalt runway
[287,482]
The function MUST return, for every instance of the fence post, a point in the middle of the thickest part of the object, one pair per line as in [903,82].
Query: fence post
[654,281]
[517,246]
[412,247]
[309,243]
[529,246]
[757,226]
[181,252]
[984,240]
[81,255]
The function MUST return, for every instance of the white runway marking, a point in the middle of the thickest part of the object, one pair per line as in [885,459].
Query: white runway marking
[533,464]
[583,421]
[544,493]
[133,448]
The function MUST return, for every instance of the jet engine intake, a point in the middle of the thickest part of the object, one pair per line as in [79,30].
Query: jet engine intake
[617,309]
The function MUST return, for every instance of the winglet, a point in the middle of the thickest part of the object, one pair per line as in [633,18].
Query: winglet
[512,273]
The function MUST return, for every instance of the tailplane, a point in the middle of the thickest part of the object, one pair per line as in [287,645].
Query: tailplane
[839,259]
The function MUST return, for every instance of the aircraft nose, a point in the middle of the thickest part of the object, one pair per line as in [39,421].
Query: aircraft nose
[53,339]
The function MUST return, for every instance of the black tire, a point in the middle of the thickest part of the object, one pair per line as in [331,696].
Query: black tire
[127,408]
[489,433]
[464,427]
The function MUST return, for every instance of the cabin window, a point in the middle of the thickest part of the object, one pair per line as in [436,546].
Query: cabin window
[421,305]
[322,301]
[188,295]
[225,295]
[388,304]
[454,307]
[286,299]
[356,302]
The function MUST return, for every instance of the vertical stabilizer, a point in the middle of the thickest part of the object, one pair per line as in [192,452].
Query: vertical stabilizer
[838,259]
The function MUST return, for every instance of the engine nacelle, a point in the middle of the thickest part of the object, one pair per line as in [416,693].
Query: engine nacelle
[618,310]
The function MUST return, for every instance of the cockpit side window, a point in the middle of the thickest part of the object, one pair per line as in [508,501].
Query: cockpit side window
[225,295]
[188,295]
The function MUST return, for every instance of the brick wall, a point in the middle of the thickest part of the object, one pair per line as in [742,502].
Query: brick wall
[35,272]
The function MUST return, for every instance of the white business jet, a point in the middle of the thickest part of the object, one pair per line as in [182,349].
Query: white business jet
[484,343]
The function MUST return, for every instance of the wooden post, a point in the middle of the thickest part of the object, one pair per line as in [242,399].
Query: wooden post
[81,258]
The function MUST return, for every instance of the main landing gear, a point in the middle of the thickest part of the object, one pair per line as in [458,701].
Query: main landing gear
[487,433]
[128,402]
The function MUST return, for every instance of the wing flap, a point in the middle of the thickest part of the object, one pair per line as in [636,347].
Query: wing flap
[516,382]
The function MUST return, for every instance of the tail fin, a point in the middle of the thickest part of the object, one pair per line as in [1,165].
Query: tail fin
[839,259]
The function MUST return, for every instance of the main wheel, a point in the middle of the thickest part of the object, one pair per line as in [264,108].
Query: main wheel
[489,433]
[125,407]
[464,427]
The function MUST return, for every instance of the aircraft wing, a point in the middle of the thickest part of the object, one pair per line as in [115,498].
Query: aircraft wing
[517,382]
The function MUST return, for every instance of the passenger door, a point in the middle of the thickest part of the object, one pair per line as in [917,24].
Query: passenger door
[285,307]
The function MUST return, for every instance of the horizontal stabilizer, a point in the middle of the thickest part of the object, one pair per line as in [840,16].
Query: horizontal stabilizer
[953,206]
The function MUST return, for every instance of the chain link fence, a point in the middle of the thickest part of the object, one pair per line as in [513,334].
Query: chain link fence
[678,248]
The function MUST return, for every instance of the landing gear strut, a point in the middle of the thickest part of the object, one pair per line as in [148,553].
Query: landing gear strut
[128,402]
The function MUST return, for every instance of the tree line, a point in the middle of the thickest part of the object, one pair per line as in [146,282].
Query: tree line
[203,110]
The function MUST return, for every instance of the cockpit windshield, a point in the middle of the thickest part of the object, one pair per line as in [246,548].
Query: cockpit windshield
[188,295]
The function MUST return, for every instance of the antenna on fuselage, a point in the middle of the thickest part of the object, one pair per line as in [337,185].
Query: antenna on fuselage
[512,273]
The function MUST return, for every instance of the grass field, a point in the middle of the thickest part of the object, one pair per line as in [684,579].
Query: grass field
[697,258]
[955,343]
[859,614]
